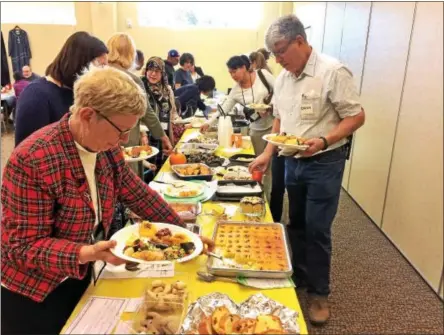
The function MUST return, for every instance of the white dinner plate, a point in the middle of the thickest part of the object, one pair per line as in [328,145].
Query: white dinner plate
[300,147]
[126,233]
[174,191]
[184,121]
[154,152]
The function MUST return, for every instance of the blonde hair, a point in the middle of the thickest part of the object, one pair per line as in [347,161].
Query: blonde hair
[259,58]
[122,50]
[108,91]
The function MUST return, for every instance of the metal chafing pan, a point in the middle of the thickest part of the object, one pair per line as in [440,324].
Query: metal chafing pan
[234,272]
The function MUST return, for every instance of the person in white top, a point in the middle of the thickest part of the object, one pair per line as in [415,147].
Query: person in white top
[315,98]
[194,74]
[249,88]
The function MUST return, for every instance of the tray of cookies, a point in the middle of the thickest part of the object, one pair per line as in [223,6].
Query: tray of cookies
[250,249]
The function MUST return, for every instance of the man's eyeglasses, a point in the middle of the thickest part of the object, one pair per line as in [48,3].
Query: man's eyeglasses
[283,50]
[122,133]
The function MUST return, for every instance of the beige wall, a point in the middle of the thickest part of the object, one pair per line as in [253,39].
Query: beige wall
[395,51]
[210,47]
[413,216]
[441,289]
[46,40]
[387,50]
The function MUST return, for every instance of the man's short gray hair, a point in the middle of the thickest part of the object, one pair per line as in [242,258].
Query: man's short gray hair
[284,28]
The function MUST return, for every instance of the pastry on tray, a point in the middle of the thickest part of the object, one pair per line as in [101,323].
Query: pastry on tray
[252,205]
[222,322]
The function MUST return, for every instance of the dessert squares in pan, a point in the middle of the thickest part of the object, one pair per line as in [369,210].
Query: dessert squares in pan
[259,247]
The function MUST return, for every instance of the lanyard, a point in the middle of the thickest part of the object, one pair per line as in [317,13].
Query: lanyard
[95,236]
[252,93]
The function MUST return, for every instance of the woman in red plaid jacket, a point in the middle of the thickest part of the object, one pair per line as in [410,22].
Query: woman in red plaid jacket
[59,188]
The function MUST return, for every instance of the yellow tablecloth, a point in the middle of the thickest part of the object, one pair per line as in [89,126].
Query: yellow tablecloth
[133,288]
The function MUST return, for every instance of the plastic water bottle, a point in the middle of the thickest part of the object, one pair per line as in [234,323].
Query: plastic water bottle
[225,131]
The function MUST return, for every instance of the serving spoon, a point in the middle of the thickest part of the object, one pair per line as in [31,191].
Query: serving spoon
[208,277]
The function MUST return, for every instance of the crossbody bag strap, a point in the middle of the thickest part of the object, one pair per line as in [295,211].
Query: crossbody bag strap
[264,81]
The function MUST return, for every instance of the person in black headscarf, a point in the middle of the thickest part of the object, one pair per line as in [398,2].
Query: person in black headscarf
[161,98]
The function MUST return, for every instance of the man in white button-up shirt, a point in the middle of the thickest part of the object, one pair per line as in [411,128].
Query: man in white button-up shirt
[315,98]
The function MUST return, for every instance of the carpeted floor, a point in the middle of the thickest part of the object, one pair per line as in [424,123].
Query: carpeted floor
[374,289]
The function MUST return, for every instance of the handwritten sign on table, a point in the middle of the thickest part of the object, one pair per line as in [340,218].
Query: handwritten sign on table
[98,316]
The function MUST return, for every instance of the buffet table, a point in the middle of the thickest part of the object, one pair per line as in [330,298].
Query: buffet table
[133,288]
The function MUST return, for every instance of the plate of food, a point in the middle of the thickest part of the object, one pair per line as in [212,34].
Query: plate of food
[197,171]
[183,121]
[284,140]
[196,148]
[139,153]
[147,242]
[184,189]
[243,159]
[258,106]
[202,139]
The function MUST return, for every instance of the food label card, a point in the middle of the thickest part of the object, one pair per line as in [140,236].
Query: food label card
[161,270]
[98,316]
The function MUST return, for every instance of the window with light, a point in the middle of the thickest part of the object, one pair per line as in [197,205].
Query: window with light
[62,13]
[183,15]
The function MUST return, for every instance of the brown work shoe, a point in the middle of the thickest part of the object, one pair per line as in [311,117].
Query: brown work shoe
[318,310]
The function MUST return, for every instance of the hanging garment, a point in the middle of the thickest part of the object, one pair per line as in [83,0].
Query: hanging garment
[6,78]
[19,50]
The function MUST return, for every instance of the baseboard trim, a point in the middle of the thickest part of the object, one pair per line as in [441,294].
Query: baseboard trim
[395,246]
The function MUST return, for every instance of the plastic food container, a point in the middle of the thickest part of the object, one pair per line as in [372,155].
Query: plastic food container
[163,308]
[187,211]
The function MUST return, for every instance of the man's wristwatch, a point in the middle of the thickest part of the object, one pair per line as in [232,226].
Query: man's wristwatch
[325,142]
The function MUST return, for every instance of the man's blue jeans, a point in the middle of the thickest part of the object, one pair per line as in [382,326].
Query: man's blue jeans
[313,186]
[277,187]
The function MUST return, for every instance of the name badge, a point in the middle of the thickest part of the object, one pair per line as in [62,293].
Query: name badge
[306,109]
[164,125]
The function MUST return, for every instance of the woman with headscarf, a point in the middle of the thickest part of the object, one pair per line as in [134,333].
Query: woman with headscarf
[161,99]
[122,55]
